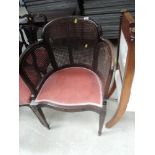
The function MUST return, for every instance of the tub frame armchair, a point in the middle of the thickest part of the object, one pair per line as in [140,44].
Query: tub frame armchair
[71,47]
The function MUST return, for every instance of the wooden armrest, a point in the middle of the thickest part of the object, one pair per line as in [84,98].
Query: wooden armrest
[33,65]
[111,47]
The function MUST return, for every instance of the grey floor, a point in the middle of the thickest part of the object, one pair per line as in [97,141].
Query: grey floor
[75,134]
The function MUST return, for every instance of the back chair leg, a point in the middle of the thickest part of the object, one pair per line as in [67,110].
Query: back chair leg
[102,118]
[38,112]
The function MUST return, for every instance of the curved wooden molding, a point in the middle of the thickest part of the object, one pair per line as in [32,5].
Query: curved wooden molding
[128,28]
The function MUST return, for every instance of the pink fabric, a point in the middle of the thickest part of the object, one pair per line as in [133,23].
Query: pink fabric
[24,92]
[72,86]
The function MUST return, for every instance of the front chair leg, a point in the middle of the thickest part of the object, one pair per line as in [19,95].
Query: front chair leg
[38,112]
[102,118]
[41,113]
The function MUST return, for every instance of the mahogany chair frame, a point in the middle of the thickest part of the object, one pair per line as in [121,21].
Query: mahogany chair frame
[35,90]
[127,26]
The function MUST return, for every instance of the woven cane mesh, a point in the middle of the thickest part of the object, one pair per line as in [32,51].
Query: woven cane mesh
[36,65]
[83,56]
[71,30]
[61,55]
[104,61]
[72,39]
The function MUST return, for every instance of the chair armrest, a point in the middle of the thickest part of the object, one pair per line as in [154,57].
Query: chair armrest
[33,64]
[111,47]
[106,62]
[30,48]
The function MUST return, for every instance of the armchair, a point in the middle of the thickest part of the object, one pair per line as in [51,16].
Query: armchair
[71,68]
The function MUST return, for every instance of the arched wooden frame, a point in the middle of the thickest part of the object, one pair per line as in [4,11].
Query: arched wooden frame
[127,28]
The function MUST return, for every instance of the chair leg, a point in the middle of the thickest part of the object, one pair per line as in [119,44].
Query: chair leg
[102,119]
[41,113]
[38,112]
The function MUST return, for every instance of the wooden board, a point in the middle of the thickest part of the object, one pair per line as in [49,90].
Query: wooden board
[126,71]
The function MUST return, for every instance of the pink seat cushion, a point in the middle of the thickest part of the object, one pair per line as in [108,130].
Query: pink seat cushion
[24,92]
[72,86]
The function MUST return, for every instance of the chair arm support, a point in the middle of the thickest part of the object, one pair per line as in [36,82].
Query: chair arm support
[31,71]
[113,66]
[111,47]
[31,48]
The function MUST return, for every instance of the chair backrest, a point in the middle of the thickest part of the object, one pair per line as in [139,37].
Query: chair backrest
[74,29]
[72,40]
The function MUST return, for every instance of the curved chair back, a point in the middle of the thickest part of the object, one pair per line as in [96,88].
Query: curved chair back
[33,65]
[67,41]
[71,31]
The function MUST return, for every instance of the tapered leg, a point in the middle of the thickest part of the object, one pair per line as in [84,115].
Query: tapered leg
[41,113]
[38,112]
[102,118]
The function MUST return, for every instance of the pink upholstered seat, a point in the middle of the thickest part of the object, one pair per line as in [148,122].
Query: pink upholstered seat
[24,92]
[72,86]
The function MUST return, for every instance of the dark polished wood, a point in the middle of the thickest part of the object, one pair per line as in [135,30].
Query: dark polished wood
[70,108]
[100,110]
[38,112]
[102,118]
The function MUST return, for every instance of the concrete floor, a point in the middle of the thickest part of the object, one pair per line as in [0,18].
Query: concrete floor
[75,134]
